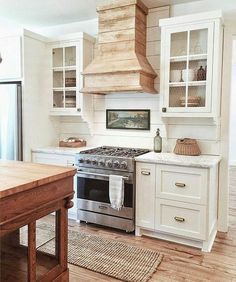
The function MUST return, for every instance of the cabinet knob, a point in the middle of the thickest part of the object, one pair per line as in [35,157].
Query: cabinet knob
[181,185]
[78,109]
[0,58]
[164,110]
[145,172]
[179,219]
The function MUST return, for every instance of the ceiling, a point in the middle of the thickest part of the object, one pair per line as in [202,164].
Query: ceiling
[42,13]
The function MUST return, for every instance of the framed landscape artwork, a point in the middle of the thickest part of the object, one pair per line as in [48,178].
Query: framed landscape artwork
[128,119]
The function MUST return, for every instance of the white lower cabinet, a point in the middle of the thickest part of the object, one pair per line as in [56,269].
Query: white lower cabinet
[145,194]
[177,203]
[61,160]
[181,218]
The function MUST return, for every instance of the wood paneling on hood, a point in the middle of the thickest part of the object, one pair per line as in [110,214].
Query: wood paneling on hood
[121,64]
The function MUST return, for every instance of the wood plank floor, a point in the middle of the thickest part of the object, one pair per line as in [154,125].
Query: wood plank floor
[180,263]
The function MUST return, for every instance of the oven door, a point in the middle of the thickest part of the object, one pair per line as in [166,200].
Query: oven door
[93,192]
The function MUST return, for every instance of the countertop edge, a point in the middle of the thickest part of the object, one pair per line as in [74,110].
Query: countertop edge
[60,150]
[32,184]
[213,160]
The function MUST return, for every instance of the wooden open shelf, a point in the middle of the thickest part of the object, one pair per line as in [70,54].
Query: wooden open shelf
[14,263]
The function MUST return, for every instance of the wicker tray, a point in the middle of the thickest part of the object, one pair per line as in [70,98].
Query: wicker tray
[75,144]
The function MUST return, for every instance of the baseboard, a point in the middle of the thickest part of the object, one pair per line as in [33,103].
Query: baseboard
[232,163]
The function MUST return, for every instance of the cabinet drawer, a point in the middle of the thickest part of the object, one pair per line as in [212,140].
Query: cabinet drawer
[53,159]
[180,219]
[185,184]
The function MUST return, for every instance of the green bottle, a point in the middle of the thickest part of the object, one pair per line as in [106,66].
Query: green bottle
[157,142]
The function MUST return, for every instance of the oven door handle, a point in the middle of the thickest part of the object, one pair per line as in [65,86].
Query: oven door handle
[98,174]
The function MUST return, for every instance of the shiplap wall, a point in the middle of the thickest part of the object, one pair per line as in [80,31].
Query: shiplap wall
[204,130]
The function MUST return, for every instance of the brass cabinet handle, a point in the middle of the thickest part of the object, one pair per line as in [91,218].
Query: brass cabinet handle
[181,185]
[145,172]
[179,219]
[102,207]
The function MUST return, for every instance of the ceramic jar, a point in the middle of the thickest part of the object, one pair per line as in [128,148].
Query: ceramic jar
[190,73]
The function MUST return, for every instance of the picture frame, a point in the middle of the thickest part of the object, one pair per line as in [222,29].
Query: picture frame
[130,119]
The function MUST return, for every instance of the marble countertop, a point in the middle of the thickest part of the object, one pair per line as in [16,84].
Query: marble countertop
[204,161]
[60,150]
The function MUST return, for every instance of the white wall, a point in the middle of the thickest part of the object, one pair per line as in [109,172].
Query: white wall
[89,26]
[39,129]
[232,154]
[228,7]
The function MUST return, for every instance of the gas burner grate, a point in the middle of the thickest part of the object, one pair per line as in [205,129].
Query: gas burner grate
[115,151]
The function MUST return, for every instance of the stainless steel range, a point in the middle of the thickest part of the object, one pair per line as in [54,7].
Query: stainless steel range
[93,169]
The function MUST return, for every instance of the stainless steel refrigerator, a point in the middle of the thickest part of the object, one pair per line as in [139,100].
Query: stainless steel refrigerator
[10,121]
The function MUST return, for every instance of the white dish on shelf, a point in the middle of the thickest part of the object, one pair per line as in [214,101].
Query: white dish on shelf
[188,74]
[175,75]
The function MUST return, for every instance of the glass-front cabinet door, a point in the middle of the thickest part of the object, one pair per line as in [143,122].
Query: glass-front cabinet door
[65,79]
[188,68]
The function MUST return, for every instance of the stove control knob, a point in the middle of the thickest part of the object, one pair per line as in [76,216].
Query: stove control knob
[116,164]
[124,165]
[102,163]
[94,162]
[81,161]
[109,163]
[87,161]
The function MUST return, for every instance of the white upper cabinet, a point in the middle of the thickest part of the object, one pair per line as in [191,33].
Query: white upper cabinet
[10,58]
[69,57]
[191,48]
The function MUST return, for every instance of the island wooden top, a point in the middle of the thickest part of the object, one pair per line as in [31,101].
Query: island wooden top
[16,176]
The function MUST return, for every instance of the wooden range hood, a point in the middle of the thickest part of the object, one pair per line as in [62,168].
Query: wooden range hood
[121,64]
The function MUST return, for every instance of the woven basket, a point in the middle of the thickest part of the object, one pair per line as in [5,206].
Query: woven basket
[187,147]
[75,144]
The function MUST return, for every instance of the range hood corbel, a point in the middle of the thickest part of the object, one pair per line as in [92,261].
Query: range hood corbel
[121,64]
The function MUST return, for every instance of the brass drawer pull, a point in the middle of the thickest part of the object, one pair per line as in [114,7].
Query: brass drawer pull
[181,185]
[102,207]
[145,172]
[179,219]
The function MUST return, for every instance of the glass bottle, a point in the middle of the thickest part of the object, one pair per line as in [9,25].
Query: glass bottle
[157,142]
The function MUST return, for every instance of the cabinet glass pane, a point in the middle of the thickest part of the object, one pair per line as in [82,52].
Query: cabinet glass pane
[46,244]
[70,78]
[57,79]
[198,42]
[70,101]
[196,96]
[177,72]
[14,256]
[70,56]
[57,57]
[176,96]
[58,99]
[178,44]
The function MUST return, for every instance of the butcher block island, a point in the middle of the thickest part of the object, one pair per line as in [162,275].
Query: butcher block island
[28,193]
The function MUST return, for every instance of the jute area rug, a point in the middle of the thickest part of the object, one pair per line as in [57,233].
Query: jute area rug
[110,257]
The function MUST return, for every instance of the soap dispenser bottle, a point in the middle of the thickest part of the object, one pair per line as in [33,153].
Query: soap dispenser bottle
[157,142]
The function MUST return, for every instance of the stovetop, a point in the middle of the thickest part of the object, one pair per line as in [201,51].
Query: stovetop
[108,157]
[115,151]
